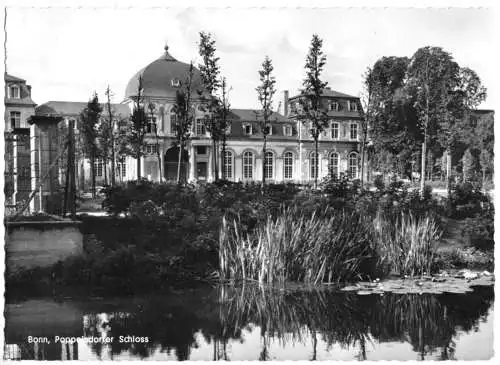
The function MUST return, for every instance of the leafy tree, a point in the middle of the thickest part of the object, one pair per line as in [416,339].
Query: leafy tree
[391,119]
[132,135]
[184,110]
[210,70]
[311,113]
[265,92]
[89,119]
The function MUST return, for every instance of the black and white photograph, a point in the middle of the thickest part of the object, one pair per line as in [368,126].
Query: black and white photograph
[261,183]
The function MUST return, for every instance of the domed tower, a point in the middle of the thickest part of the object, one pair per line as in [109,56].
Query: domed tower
[162,79]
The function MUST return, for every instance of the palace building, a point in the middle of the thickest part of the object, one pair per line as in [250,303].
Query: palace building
[289,157]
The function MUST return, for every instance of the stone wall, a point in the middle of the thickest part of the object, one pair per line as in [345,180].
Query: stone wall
[42,244]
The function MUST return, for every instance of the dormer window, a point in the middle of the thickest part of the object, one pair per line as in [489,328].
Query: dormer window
[287,130]
[176,83]
[14,92]
[333,106]
[353,106]
[268,130]
[247,129]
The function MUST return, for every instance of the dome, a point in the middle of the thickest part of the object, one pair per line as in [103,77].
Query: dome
[163,78]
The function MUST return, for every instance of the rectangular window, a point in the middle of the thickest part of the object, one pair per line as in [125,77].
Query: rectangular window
[151,126]
[247,128]
[228,165]
[335,131]
[201,150]
[288,165]
[15,120]
[200,127]
[14,92]
[173,123]
[121,168]
[99,167]
[288,130]
[353,106]
[151,149]
[333,106]
[354,131]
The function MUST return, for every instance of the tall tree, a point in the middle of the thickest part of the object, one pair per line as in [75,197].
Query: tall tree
[223,114]
[152,112]
[312,114]
[133,134]
[112,126]
[89,119]
[432,76]
[183,108]
[367,115]
[391,117]
[210,70]
[265,92]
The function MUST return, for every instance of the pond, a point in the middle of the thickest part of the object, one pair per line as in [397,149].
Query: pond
[252,323]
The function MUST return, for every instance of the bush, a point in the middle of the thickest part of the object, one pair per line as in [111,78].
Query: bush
[466,201]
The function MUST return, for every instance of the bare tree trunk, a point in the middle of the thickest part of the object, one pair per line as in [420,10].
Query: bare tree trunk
[224,158]
[422,174]
[179,163]
[105,162]
[138,166]
[363,162]
[448,169]
[92,164]
[264,160]
[214,159]
[316,162]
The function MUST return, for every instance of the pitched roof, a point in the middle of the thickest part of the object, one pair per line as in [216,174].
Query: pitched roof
[332,94]
[11,78]
[254,115]
[73,108]
[239,117]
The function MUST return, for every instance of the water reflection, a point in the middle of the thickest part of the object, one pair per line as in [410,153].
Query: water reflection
[249,323]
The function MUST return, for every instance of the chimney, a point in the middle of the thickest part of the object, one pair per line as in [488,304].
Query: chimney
[285,103]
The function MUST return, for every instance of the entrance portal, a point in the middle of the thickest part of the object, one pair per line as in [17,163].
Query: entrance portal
[201,170]
[171,164]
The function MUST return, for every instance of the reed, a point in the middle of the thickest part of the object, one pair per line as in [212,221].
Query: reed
[406,246]
[292,247]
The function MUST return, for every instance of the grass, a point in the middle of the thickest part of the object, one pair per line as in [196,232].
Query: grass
[293,247]
[328,247]
[407,246]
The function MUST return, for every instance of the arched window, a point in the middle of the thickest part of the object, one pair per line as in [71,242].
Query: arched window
[288,165]
[353,165]
[333,164]
[314,165]
[248,165]
[228,165]
[269,168]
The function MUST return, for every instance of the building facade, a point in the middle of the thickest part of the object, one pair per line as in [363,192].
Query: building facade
[19,107]
[289,153]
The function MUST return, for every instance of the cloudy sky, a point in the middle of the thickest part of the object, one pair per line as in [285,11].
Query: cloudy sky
[67,53]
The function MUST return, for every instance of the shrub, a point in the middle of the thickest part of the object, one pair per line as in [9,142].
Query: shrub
[466,201]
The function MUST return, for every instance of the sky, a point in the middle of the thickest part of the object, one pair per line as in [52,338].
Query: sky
[67,53]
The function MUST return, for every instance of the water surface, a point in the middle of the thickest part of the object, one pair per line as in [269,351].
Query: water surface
[251,323]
